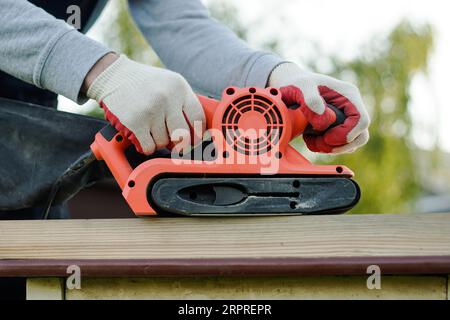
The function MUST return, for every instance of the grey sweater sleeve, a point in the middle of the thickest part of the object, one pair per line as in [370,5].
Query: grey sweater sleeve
[208,54]
[40,49]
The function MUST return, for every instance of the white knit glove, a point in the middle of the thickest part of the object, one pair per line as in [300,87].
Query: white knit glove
[312,92]
[148,105]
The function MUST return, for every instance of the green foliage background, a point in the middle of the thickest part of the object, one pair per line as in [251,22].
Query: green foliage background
[386,168]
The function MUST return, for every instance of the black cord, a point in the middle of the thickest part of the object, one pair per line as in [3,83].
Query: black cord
[84,160]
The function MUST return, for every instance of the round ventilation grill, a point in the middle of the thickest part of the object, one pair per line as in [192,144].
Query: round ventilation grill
[252,125]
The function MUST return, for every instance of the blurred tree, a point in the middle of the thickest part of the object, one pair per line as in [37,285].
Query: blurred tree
[229,15]
[386,167]
[121,34]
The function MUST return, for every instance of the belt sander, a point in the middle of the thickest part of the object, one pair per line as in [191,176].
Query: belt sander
[252,169]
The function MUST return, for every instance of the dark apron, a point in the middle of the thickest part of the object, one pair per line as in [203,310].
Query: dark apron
[18,90]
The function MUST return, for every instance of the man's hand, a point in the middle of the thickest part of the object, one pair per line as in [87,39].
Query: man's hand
[148,105]
[313,92]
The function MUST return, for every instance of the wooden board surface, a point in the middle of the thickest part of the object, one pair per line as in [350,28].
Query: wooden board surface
[191,238]
[331,245]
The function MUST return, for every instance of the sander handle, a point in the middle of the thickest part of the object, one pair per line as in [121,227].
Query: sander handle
[339,119]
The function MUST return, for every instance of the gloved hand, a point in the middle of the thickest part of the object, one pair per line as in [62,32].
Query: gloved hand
[312,92]
[148,105]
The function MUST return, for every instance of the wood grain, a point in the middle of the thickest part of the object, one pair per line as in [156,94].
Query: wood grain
[249,238]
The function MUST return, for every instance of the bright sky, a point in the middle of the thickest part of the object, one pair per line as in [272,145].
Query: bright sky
[343,26]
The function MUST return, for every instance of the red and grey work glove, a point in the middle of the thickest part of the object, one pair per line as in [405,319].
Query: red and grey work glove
[312,92]
[150,106]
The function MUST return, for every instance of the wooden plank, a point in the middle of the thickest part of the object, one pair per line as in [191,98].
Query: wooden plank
[279,245]
[341,287]
[45,289]
[166,238]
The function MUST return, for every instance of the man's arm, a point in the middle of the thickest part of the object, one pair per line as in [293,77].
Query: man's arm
[147,104]
[40,49]
[208,54]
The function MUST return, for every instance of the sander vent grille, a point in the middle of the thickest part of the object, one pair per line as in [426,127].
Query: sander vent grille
[252,125]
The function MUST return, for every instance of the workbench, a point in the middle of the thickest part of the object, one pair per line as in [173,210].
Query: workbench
[231,258]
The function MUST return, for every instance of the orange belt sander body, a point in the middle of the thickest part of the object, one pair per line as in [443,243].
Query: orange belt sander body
[247,174]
